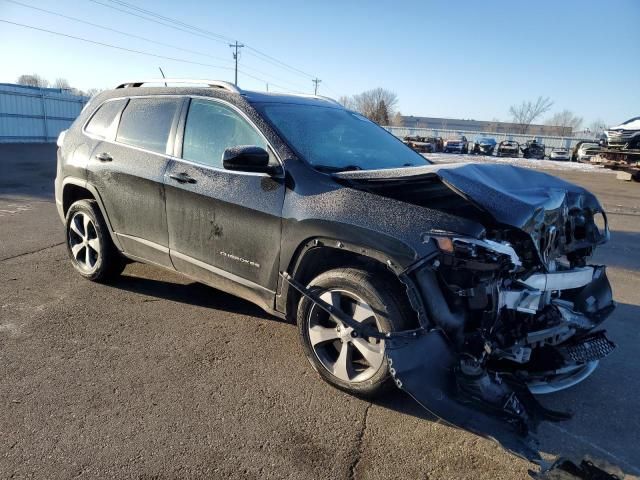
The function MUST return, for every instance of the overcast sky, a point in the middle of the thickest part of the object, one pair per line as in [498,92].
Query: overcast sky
[459,59]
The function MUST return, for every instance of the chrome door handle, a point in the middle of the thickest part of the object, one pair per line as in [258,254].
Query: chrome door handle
[183,178]
[104,157]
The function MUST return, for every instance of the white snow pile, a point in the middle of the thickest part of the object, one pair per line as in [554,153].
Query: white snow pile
[520,162]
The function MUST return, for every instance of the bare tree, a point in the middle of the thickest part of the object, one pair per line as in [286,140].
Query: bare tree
[346,102]
[62,83]
[397,120]
[565,118]
[33,80]
[597,127]
[92,92]
[527,112]
[378,105]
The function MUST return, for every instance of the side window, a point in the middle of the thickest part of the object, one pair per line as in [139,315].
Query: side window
[146,123]
[103,120]
[211,128]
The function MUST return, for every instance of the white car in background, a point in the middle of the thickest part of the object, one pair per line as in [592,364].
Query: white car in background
[560,154]
[586,151]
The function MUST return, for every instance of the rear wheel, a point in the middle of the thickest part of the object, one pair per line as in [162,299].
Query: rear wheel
[355,364]
[89,244]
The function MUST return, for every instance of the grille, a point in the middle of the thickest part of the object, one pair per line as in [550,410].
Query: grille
[592,347]
[622,134]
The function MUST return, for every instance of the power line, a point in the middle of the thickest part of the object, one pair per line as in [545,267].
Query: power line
[280,63]
[139,52]
[131,35]
[172,20]
[156,21]
[114,46]
[200,32]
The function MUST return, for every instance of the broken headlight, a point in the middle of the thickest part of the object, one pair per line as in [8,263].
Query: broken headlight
[483,251]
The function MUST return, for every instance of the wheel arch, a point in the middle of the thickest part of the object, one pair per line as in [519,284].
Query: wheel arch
[318,255]
[74,189]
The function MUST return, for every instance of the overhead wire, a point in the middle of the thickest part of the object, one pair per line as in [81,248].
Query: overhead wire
[139,37]
[199,31]
[131,50]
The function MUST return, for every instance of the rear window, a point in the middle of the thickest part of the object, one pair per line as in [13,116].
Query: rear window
[146,123]
[104,119]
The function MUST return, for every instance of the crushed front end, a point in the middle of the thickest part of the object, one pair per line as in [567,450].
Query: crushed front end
[508,313]
[534,321]
[518,311]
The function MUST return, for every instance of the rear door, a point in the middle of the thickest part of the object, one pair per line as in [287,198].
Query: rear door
[224,226]
[128,172]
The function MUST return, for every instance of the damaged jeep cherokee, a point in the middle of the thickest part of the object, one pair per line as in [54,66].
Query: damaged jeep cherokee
[469,286]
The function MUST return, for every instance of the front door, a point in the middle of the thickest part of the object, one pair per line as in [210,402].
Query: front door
[224,226]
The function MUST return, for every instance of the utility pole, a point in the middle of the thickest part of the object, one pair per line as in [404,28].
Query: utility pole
[316,81]
[236,46]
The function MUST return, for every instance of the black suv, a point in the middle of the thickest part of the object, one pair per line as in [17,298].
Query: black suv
[316,214]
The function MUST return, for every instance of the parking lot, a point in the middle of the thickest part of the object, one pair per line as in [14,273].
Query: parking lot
[159,377]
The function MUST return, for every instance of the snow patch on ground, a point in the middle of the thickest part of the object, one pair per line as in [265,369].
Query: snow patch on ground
[520,162]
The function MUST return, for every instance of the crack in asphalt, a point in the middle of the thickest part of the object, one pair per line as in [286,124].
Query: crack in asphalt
[32,252]
[358,446]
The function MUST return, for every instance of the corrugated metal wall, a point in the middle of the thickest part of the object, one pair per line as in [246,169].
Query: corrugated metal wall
[37,115]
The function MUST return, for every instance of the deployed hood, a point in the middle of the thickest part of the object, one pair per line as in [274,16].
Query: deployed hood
[547,208]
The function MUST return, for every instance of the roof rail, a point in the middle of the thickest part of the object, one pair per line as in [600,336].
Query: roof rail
[207,83]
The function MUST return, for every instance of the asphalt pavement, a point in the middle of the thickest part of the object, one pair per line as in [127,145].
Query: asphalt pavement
[155,376]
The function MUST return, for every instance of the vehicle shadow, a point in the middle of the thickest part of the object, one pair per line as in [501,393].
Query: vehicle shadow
[194,293]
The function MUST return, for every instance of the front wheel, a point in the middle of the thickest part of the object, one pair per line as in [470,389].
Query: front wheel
[89,244]
[354,364]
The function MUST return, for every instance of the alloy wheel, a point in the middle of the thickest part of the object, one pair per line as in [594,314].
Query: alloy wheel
[83,241]
[349,357]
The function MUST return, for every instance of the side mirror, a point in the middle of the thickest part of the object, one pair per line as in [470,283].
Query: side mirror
[246,158]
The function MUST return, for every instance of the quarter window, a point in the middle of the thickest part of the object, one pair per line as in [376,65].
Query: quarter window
[104,119]
[211,128]
[146,123]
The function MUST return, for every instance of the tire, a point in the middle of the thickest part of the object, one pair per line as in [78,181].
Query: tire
[353,290]
[89,243]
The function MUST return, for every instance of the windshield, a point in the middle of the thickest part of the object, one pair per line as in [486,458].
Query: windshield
[333,139]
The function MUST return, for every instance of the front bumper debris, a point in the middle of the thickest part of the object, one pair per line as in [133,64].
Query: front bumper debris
[425,362]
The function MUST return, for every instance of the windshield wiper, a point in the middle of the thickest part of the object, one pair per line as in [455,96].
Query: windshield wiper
[333,169]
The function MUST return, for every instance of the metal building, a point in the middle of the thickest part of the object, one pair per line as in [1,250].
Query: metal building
[36,115]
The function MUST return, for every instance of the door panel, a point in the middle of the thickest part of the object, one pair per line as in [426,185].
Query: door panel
[224,227]
[130,179]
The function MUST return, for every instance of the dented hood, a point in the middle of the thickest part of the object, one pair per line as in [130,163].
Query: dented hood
[513,196]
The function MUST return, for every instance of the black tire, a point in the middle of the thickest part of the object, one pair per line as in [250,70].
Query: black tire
[392,313]
[97,259]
